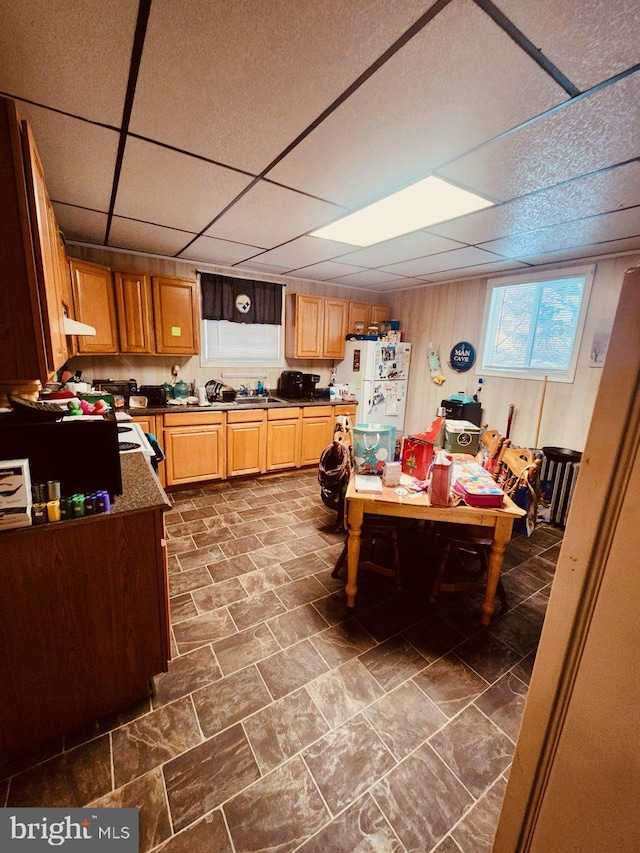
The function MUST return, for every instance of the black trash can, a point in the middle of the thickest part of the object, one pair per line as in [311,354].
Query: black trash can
[560,466]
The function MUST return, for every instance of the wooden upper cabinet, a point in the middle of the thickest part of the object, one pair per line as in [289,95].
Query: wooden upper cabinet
[95,304]
[176,315]
[359,312]
[379,313]
[305,326]
[335,325]
[135,312]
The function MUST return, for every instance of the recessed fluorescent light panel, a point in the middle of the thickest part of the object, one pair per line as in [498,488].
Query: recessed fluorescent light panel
[428,201]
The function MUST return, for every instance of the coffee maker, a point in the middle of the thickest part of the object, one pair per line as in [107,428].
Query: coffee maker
[309,382]
[290,384]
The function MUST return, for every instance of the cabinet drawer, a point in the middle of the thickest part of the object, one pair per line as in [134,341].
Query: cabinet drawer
[289,414]
[246,417]
[317,411]
[193,418]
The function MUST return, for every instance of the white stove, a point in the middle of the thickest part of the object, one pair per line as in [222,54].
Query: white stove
[131,439]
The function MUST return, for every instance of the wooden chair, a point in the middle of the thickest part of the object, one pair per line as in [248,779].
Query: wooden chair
[374,529]
[515,467]
[491,444]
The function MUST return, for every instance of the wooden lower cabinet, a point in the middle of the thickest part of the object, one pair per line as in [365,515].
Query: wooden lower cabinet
[246,443]
[194,446]
[317,432]
[283,439]
[153,424]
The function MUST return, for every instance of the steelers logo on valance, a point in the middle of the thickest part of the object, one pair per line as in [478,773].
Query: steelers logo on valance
[243,303]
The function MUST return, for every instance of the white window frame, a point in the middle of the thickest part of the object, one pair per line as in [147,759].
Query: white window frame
[533,277]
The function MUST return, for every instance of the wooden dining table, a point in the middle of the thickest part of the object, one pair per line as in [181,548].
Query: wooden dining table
[416,505]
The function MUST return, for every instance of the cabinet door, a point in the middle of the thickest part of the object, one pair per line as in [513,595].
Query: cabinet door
[317,432]
[134,304]
[359,312]
[283,444]
[95,304]
[305,326]
[335,327]
[194,453]
[176,316]
[379,313]
[246,448]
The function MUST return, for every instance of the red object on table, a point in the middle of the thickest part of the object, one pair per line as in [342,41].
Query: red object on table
[417,450]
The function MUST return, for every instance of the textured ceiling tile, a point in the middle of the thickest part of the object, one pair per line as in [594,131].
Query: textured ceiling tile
[414,245]
[71,56]
[610,247]
[469,256]
[169,188]
[218,251]
[326,270]
[596,131]
[129,234]
[594,229]
[87,226]
[303,252]
[588,42]
[268,215]
[254,265]
[367,277]
[476,271]
[78,157]
[457,83]
[238,82]
[593,194]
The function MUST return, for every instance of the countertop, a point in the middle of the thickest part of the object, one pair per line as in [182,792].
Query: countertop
[234,407]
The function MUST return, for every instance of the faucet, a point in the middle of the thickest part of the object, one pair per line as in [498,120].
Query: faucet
[244,391]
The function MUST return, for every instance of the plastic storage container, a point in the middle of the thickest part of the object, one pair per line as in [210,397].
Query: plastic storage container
[461,437]
[373,446]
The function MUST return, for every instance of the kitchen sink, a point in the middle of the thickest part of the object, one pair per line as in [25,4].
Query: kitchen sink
[256,401]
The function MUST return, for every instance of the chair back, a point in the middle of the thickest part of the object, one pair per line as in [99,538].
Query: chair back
[517,468]
[491,444]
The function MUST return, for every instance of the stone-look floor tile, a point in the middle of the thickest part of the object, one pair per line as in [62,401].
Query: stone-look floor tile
[546,536]
[271,555]
[218,595]
[329,583]
[433,637]
[463,613]
[535,608]
[282,519]
[292,668]
[307,544]
[539,568]
[334,608]
[172,517]
[450,684]
[213,537]
[199,780]
[299,592]
[302,567]
[214,499]
[180,546]
[255,582]
[448,845]
[278,812]
[225,702]
[421,799]
[342,642]
[147,794]
[202,557]
[520,585]
[222,570]
[516,631]
[69,780]
[184,528]
[186,673]
[187,580]
[200,512]
[216,522]
[384,621]
[233,505]
[10,766]
[209,835]
[524,669]
[298,624]
[153,739]
[393,662]
[522,548]
[404,719]
[552,554]
[344,692]
[504,704]
[476,831]
[243,545]
[107,724]
[275,537]
[257,608]
[248,528]
[474,748]
[284,728]
[182,607]
[289,506]
[362,828]
[246,647]
[173,565]
[202,630]
[487,656]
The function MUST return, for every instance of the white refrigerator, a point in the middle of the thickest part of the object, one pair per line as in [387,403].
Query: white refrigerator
[377,374]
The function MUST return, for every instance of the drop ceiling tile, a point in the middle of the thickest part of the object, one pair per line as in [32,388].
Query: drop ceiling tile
[238,83]
[303,252]
[144,237]
[274,269]
[582,232]
[588,42]
[477,271]
[173,189]
[78,158]
[458,82]
[599,193]
[610,247]
[455,259]
[367,277]
[268,215]
[219,251]
[326,270]
[591,133]
[414,245]
[76,223]
[71,56]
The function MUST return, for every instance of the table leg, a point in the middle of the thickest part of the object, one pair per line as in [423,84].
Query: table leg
[501,535]
[356,514]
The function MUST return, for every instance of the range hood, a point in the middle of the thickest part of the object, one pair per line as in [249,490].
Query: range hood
[74,327]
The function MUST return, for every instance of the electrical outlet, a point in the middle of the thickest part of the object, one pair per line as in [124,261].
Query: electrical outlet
[175,369]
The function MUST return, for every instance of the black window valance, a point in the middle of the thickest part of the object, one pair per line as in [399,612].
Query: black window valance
[240,300]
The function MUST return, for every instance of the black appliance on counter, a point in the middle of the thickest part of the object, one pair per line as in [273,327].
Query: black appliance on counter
[291,384]
[457,410]
[118,387]
[309,382]
[156,394]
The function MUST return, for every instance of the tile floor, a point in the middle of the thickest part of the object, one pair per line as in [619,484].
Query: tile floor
[287,722]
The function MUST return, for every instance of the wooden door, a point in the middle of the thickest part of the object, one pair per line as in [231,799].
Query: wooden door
[176,315]
[359,312]
[317,433]
[194,453]
[305,326]
[247,447]
[95,304]
[135,312]
[379,313]
[335,327]
[283,439]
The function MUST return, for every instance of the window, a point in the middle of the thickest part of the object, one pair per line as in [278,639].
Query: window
[533,325]
[250,343]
